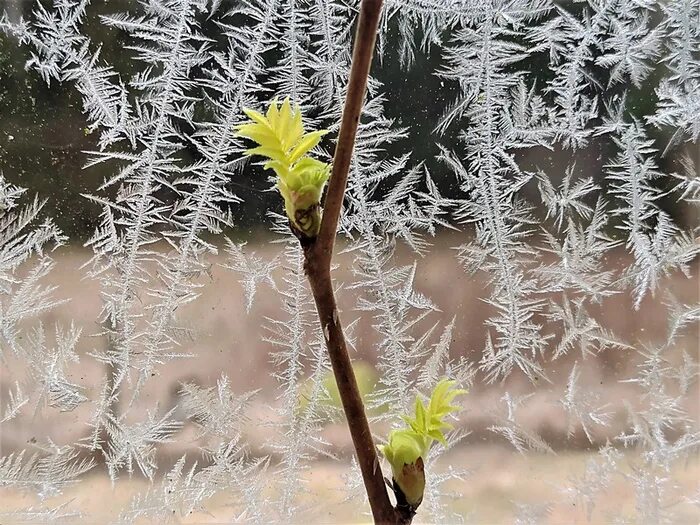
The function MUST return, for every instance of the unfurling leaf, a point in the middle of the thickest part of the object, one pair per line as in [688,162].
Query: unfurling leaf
[300,178]
[407,448]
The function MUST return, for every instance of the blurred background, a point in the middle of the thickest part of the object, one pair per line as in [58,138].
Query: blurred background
[496,478]
[43,134]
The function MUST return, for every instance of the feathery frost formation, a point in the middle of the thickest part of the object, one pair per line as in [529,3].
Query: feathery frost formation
[523,82]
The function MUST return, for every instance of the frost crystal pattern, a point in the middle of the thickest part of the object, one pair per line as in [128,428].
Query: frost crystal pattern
[560,171]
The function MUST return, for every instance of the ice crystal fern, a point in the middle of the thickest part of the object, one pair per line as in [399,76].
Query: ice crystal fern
[556,143]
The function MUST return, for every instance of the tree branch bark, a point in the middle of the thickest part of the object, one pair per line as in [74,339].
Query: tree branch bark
[318,253]
[363,51]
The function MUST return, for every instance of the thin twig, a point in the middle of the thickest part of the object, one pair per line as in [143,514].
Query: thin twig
[318,253]
[361,60]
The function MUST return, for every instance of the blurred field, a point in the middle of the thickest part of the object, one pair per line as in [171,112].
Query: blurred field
[499,481]
[229,340]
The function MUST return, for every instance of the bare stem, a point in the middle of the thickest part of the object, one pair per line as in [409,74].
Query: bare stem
[318,253]
[357,85]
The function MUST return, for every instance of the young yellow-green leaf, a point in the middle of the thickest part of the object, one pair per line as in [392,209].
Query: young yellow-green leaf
[281,138]
[407,448]
[306,144]
[255,116]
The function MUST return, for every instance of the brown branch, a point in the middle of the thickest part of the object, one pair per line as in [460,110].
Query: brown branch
[365,37]
[318,253]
